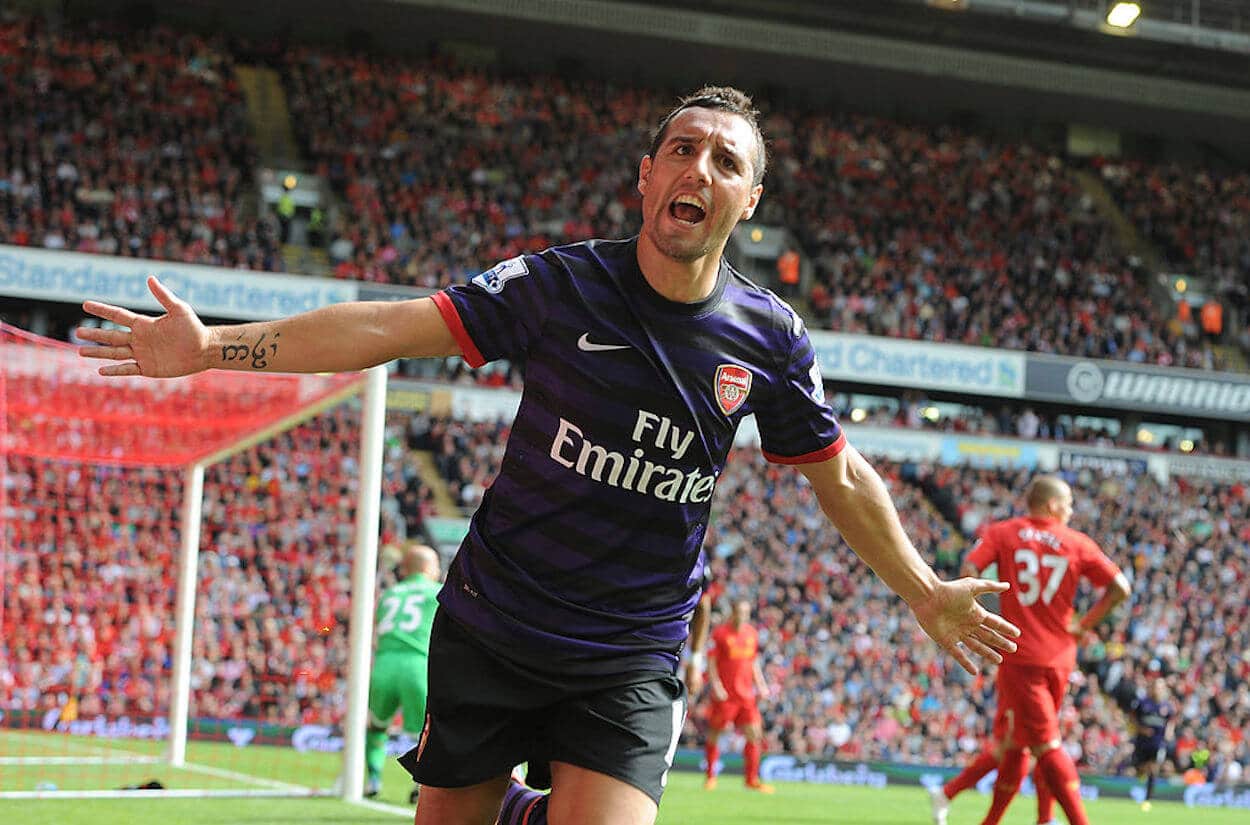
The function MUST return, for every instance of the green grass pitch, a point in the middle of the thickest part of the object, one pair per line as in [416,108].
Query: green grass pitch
[686,803]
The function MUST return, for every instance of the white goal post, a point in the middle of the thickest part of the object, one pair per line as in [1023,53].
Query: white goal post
[364,579]
[104,749]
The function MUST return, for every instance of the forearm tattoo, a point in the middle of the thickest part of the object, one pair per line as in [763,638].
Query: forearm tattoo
[259,352]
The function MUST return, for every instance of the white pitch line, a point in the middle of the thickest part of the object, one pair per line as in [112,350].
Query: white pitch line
[275,789]
[77,760]
[255,780]
[45,740]
[164,794]
[382,807]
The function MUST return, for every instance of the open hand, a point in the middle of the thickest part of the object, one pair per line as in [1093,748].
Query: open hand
[953,618]
[163,347]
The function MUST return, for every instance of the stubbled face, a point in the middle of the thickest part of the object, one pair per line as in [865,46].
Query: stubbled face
[699,184]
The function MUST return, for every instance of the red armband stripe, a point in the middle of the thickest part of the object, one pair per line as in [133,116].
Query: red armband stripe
[823,454]
[451,317]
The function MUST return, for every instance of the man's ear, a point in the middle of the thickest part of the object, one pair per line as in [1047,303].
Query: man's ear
[752,202]
[644,173]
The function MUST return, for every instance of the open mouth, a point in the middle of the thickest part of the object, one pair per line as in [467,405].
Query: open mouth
[687,209]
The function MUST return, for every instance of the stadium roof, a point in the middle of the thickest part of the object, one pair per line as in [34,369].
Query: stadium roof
[1164,43]
[892,56]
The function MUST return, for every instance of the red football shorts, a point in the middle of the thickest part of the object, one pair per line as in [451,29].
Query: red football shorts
[1029,697]
[734,711]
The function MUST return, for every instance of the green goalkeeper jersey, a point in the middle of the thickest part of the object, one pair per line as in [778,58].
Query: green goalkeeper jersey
[405,615]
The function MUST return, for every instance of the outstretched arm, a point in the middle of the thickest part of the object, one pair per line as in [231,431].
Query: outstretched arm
[854,498]
[337,338]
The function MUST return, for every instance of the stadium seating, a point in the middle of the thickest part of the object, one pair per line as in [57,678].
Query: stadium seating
[854,678]
[1198,219]
[468,455]
[126,143]
[939,235]
[917,232]
[914,232]
[446,170]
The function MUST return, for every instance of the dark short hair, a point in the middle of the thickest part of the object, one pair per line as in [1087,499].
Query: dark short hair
[725,99]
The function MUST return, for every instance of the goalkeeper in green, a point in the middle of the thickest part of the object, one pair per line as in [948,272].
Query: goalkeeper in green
[405,615]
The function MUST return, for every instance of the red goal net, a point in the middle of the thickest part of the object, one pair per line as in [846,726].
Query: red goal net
[91,497]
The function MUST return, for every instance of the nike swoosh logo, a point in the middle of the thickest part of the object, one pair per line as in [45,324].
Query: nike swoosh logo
[586,345]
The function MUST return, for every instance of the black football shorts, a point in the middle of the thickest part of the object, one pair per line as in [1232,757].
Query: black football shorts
[486,714]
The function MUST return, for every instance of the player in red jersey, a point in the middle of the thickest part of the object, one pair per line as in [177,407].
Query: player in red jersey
[1043,560]
[736,680]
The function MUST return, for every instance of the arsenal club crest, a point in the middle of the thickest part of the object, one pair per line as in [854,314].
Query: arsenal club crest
[733,384]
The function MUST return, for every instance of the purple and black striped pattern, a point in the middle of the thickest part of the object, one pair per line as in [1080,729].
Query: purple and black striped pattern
[586,553]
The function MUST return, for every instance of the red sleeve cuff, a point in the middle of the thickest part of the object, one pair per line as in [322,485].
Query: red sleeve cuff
[823,454]
[451,317]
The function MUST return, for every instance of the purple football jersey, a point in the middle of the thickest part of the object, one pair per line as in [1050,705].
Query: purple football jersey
[585,555]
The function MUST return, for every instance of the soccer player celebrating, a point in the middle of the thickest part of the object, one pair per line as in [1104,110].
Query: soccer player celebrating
[1155,718]
[736,680]
[571,593]
[398,680]
[1042,559]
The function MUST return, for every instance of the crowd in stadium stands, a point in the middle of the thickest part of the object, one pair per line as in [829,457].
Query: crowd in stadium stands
[126,143]
[916,232]
[1199,221]
[852,677]
[468,455]
[87,610]
[937,235]
[446,170]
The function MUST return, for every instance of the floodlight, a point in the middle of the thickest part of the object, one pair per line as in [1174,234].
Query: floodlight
[1123,15]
